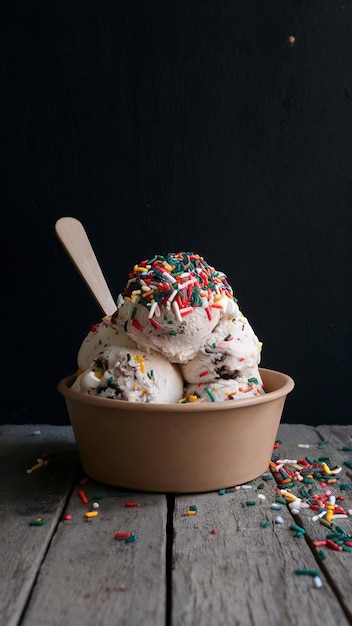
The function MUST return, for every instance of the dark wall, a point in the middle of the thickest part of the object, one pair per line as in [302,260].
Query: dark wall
[179,125]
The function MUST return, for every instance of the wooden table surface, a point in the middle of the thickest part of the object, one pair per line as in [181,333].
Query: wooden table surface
[233,562]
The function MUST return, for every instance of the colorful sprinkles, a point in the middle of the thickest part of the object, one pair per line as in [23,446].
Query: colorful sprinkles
[176,283]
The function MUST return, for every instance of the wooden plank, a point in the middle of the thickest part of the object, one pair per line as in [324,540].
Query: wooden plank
[23,497]
[325,442]
[89,578]
[245,574]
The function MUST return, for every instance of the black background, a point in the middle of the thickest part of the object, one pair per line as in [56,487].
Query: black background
[186,125]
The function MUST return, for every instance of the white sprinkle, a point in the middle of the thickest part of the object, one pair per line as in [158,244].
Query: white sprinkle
[339,516]
[261,496]
[279,519]
[317,582]
[36,432]
[246,486]
[303,445]
[96,505]
[316,517]
[168,277]
[152,310]
[349,512]
[304,505]
[173,295]
[176,311]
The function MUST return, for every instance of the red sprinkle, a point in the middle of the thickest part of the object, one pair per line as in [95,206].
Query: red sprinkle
[137,325]
[65,518]
[204,373]
[333,546]
[214,531]
[131,504]
[123,535]
[84,480]
[83,496]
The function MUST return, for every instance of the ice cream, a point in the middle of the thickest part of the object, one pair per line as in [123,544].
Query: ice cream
[171,304]
[177,336]
[231,351]
[108,332]
[122,373]
[223,389]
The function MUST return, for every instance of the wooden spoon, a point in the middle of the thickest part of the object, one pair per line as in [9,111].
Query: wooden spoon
[74,239]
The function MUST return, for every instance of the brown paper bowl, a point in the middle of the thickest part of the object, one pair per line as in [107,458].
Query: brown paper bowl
[177,448]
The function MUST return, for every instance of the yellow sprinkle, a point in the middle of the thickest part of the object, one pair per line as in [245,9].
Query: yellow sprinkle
[98,374]
[192,398]
[288,495]
[328,516]
[91,514]
[326,468]
[139,269]
[191,512]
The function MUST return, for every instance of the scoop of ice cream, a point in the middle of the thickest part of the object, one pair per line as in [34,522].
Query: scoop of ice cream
[171,304]
[220,390]
[130,374]
[108,332]
[232,351]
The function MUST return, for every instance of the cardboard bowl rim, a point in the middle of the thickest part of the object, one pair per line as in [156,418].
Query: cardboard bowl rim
[286,384]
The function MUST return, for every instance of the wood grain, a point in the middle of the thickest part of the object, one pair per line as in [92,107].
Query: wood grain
[221,565]
[23,497]
[245,573]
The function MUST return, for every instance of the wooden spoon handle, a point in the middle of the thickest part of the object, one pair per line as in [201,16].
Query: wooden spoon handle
[74,239]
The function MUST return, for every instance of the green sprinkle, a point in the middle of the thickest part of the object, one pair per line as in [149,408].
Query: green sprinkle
[172,332]
[276,507]
[346,548]
[250,503]
[348,464]
[37,523]
[280,500]
[221,492]
[347,448]
[322,443]
[310,460]
[193,507]
[128,356]
[321,554]
[341,530]
[99,496]
[307,572]
[227,337]
[267,477]
[253,380]
[324,458]
[265,524]
[299,529]
[131,539]
[213,345]
[133,313]
[207,390]
[345,486]
[308,480]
